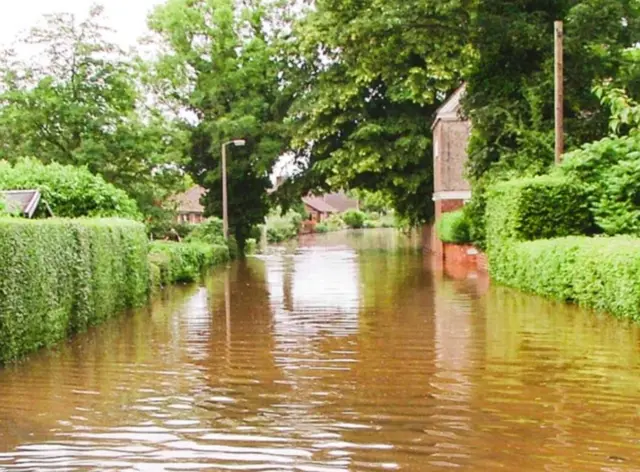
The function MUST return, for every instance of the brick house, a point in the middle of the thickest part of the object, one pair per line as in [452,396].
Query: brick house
[451,134]
[188,205]
[341,201]
[318,209]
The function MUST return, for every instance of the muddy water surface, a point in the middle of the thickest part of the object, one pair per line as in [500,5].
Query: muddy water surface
[347,352]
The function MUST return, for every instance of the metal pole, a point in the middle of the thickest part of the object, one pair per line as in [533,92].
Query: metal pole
[225,210]
[227,309]
[559,88]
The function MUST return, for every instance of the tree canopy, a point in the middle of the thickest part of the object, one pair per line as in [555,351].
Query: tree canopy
[220,65]
[510,85]
[81,102]
[369,76]
[345,91]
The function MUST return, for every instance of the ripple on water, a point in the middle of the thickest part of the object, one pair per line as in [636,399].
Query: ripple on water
[332,357]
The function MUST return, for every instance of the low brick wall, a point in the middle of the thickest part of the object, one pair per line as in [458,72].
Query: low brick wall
[464,255]
[308,227]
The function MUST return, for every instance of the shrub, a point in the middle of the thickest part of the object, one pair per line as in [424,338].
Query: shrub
[251,246]
[600,273]
[161,228]
[610,170]
[354,218]
[283,227]
[184,262]
[475,209]
[59,276]
[371,224]
[537,208]
[322,228]
[454,228]
[210,231]
[334,223]
[70,191]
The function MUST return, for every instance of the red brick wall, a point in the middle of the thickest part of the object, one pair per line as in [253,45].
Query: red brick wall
[447,206]
[464,255]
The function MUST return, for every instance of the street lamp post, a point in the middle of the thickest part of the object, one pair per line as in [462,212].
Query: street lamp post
[225,209]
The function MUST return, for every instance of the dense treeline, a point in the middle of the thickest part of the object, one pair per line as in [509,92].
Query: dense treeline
[345,91]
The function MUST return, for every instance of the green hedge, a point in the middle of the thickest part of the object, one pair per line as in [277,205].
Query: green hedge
[173,262]
[59,276]
[599,273]
[537,208]
[454,228]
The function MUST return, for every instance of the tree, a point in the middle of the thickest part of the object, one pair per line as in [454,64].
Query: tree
[622,95]
[220,64]
[81,102]
[510,86]
[370,76]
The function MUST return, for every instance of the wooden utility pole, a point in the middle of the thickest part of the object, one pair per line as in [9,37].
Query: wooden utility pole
[559,89]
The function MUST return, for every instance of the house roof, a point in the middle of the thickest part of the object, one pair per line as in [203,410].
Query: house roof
[340,201]
[450,109]
[22,201]
[319,204]
[189,201]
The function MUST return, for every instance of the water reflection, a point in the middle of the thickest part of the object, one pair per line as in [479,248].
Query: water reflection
[332,355]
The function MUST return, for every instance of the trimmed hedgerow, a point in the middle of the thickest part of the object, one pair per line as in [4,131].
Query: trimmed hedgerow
[173,262]
[454,228]
[599,273]
[59,276]
[537,208]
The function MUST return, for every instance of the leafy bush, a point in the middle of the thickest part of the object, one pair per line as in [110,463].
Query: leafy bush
[59,276]
[600,273]
[161,228]
[334,223]
[183,262]
[454,228]
[251,246]
[610,170]
[210,231]
[537,208]
[322,228]
[70,191]
[283,227]
[354,218]
[475,210]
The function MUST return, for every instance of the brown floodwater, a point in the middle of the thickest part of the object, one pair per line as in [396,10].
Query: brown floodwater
[346,352]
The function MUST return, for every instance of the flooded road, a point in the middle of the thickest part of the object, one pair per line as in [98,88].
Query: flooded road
[349,352]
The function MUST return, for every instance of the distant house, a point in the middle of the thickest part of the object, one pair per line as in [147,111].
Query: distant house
[318,209]
[188,205]
[341,201]
[24,202]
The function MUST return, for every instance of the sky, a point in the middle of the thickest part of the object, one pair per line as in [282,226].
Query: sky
[127,17]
